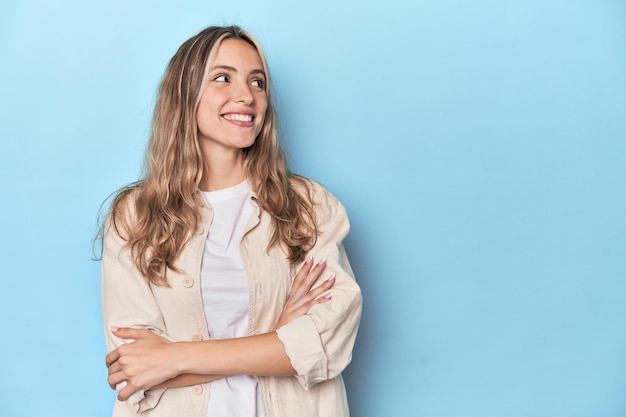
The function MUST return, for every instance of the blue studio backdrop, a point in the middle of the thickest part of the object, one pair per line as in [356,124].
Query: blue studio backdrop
[479,147]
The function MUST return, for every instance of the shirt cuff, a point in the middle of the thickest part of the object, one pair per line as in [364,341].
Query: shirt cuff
[305,350]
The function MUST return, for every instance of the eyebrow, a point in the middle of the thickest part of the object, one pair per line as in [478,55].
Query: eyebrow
[233,69]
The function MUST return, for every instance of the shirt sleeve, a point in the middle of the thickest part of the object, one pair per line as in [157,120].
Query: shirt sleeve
[319,344]
[127,301]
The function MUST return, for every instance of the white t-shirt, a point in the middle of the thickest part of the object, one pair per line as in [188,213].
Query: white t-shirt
[225,296]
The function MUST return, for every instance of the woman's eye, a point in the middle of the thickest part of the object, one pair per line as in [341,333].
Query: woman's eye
[258,83]
[222,78]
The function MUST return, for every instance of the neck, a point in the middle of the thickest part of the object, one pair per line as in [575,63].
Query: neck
[222,171]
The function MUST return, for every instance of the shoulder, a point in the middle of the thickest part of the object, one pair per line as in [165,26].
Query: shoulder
[122,212]
[313,191]
[326,207]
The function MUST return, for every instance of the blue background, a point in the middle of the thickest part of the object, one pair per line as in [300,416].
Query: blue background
[479,147]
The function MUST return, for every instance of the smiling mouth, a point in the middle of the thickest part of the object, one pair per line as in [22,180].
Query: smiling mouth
[238,117]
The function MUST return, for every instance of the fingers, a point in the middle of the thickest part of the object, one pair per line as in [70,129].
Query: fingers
[315,293]
[126,333]
[314,296]
[114,369]
[123,385]
[126,391]
[303,295]
[300,278]
[121,374]
[138,362]
[321,289]
[115,378]
[306,277]
[112,357]
[130,333]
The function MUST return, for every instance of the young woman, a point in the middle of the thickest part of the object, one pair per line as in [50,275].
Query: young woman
[218,266]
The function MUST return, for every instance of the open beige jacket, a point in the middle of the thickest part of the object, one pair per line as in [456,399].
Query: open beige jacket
[318,344]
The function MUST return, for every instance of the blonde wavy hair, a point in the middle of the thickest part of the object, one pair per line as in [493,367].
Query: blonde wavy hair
[158,214]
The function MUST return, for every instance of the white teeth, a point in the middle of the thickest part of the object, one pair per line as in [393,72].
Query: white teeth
[238,117]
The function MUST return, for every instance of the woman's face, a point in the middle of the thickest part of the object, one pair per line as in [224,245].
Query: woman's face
[232,107]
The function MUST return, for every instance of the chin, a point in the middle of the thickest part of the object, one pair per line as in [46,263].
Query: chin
[247,143]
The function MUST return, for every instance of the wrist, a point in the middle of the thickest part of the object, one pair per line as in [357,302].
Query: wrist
[180,357]
[187,354]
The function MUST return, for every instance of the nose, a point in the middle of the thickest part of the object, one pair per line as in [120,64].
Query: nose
[244,94]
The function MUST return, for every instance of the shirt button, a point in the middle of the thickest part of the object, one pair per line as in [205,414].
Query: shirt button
[188,282]
[197,389]
[196,337]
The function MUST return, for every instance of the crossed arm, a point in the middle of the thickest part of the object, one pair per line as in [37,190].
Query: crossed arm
[151,361]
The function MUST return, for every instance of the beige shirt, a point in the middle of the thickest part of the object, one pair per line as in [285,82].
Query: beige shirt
[319,344]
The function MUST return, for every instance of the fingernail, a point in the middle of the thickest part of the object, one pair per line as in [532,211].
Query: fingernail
[328,296]
[322,262]
[114,328]
[331,277]
[308,259]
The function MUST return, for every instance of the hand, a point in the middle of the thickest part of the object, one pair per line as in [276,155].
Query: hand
[143,363]
[302,296]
